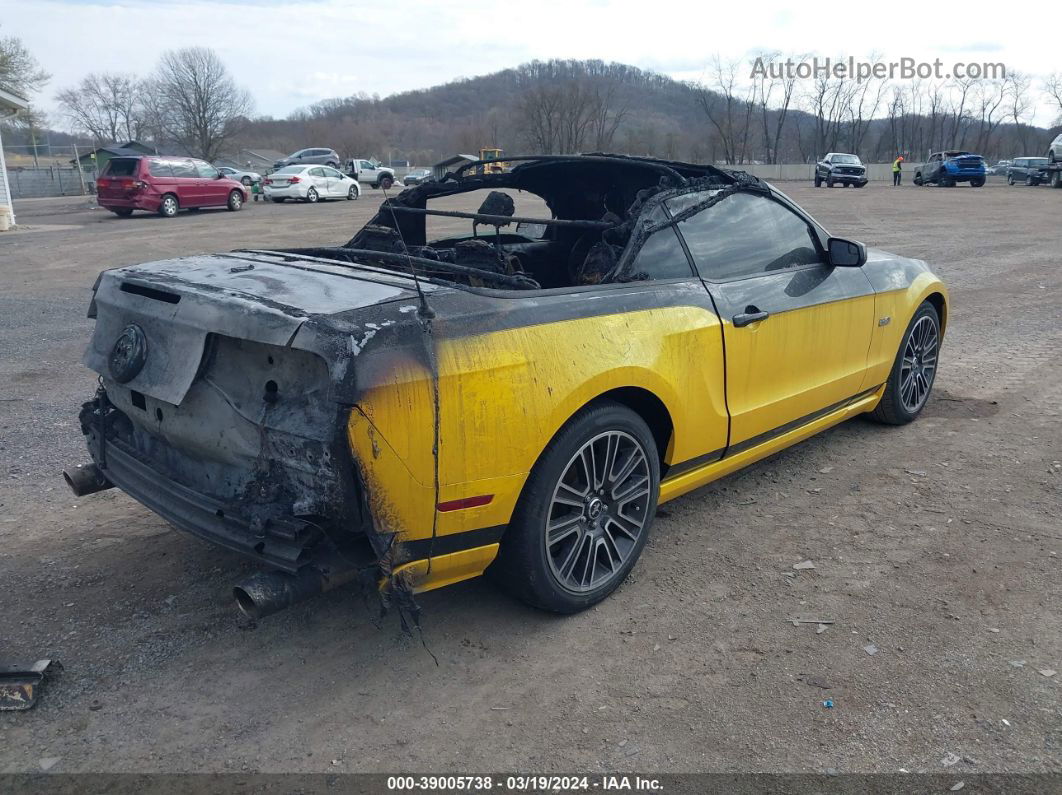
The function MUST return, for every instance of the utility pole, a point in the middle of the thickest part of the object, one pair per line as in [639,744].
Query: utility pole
[80,173]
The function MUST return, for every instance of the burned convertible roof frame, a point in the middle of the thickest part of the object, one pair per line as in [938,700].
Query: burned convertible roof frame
[595,203]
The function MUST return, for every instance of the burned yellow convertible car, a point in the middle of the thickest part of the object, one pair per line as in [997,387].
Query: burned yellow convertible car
[514,392]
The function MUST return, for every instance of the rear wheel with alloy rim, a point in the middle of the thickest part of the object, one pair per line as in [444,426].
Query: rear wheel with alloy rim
[168,208]
[585,513]
[311,195]
[914,370]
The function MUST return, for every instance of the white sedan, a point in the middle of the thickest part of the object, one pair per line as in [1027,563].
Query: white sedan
[309,183]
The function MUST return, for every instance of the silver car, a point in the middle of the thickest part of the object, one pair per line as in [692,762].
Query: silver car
[305,157]
[248,178]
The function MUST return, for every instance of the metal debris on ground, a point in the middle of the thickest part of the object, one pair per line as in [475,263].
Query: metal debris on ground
[821,628]
[806,564]
[798,620]
[870,649]
[20,684]
[1047,672]
[958,786]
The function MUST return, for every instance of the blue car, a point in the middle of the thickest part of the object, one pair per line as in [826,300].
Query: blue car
[947,169]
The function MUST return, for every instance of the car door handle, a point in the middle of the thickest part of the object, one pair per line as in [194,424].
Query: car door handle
[751,314]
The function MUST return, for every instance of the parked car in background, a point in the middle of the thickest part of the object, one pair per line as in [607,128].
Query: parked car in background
[165,185]
[248,178]
[416,177]
[371,173]
[309,183]
[838,168]
[947,169]
[998,168]
[1054,151]
[1030,170]
[304,157]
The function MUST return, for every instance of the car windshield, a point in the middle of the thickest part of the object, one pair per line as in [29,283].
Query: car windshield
[290,170]
[846,159]
[957,154]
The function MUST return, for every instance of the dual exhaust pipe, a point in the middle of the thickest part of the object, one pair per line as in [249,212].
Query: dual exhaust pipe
[269,592]
[260,595]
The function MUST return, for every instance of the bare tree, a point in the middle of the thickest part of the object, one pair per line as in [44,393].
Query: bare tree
[1019,105]
[1053,89]
[773,95]
[728,105]
[106,106]
[194,101]
[19,70]
[570,115]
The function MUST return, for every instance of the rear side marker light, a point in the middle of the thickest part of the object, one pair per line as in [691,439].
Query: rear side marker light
[465,502]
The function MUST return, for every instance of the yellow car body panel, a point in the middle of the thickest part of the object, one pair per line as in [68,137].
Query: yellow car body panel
[503,395]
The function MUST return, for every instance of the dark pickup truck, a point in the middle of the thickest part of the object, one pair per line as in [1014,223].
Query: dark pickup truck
[838,168]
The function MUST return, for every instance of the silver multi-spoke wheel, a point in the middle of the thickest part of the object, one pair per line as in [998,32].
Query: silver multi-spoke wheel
[598,512]
[919,363]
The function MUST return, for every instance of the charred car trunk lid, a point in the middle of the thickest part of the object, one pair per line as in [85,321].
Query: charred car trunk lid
[152,320]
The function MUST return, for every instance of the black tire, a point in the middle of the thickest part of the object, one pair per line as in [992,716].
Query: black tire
[829,182]
[354,193]
[861,184]
[918,179]
[280,199]
[818,181]
[246,181]
[1029,182]
[386,182]
[977,182]
[312,196]
[525,568]
[332,164]
[893,409]
[235,202]
[1056,179]
[169,206]
[122,212]
[1010,179]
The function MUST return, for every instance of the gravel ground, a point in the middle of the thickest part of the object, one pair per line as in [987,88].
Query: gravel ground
[936,543]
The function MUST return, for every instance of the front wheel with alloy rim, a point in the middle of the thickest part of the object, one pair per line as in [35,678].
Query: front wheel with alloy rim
[914,370]
[235,200]
[168,208]
[352,194]
[311,196]
[585,512]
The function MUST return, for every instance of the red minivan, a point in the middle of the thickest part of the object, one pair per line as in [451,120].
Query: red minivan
[165,185]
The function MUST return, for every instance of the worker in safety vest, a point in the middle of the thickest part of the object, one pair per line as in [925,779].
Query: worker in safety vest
[896,170]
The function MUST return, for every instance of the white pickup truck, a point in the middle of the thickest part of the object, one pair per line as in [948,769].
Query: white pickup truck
[372,173]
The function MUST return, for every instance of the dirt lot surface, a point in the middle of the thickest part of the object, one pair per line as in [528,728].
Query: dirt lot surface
[937,543]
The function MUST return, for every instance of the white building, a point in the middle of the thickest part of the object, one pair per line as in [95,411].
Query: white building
[10,106]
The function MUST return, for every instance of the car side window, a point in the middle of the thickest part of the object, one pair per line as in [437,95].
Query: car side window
[205,170]
[661,255]
[185,169]
[745,235]
[331,172]
[159,168]
[366,164]
[317,172]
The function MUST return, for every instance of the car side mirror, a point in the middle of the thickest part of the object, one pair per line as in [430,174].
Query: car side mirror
[220,176]
[846,253]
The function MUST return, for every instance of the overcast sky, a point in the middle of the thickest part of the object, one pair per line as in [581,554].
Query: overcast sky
[290,54]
